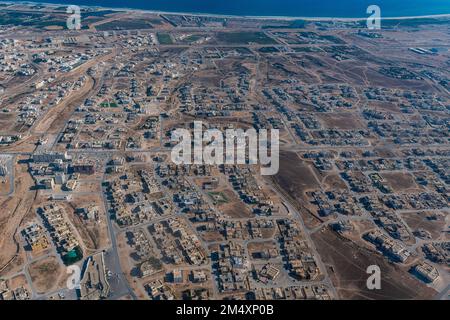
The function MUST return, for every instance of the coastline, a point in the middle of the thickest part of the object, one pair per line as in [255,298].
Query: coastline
[227,16]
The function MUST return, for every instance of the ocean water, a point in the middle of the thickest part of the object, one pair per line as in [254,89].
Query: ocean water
[286,8]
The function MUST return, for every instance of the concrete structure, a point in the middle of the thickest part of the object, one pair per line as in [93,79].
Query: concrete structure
[50,156]
[93,284]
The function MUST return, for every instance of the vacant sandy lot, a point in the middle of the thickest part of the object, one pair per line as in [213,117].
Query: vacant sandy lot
[344,121]
[399,181]
[45,273]
[295,175]
[348,263]
[424,220]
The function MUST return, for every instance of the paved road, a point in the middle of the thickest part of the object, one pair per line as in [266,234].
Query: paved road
[118,283]
[444,294]
[317,257]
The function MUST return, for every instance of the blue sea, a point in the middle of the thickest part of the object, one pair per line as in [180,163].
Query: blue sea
[278,8]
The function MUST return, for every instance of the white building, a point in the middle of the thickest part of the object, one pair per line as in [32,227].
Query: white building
[3,170]
[4,166]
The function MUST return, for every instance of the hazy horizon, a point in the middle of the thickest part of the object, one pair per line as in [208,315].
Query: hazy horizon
[289,8]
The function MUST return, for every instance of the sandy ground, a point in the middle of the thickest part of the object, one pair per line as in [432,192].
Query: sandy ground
[12,213]
[45,273]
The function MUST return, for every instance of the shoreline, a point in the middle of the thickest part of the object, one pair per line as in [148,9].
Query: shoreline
[228,16]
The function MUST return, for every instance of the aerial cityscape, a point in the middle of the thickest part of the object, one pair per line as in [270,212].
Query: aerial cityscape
[150,155]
